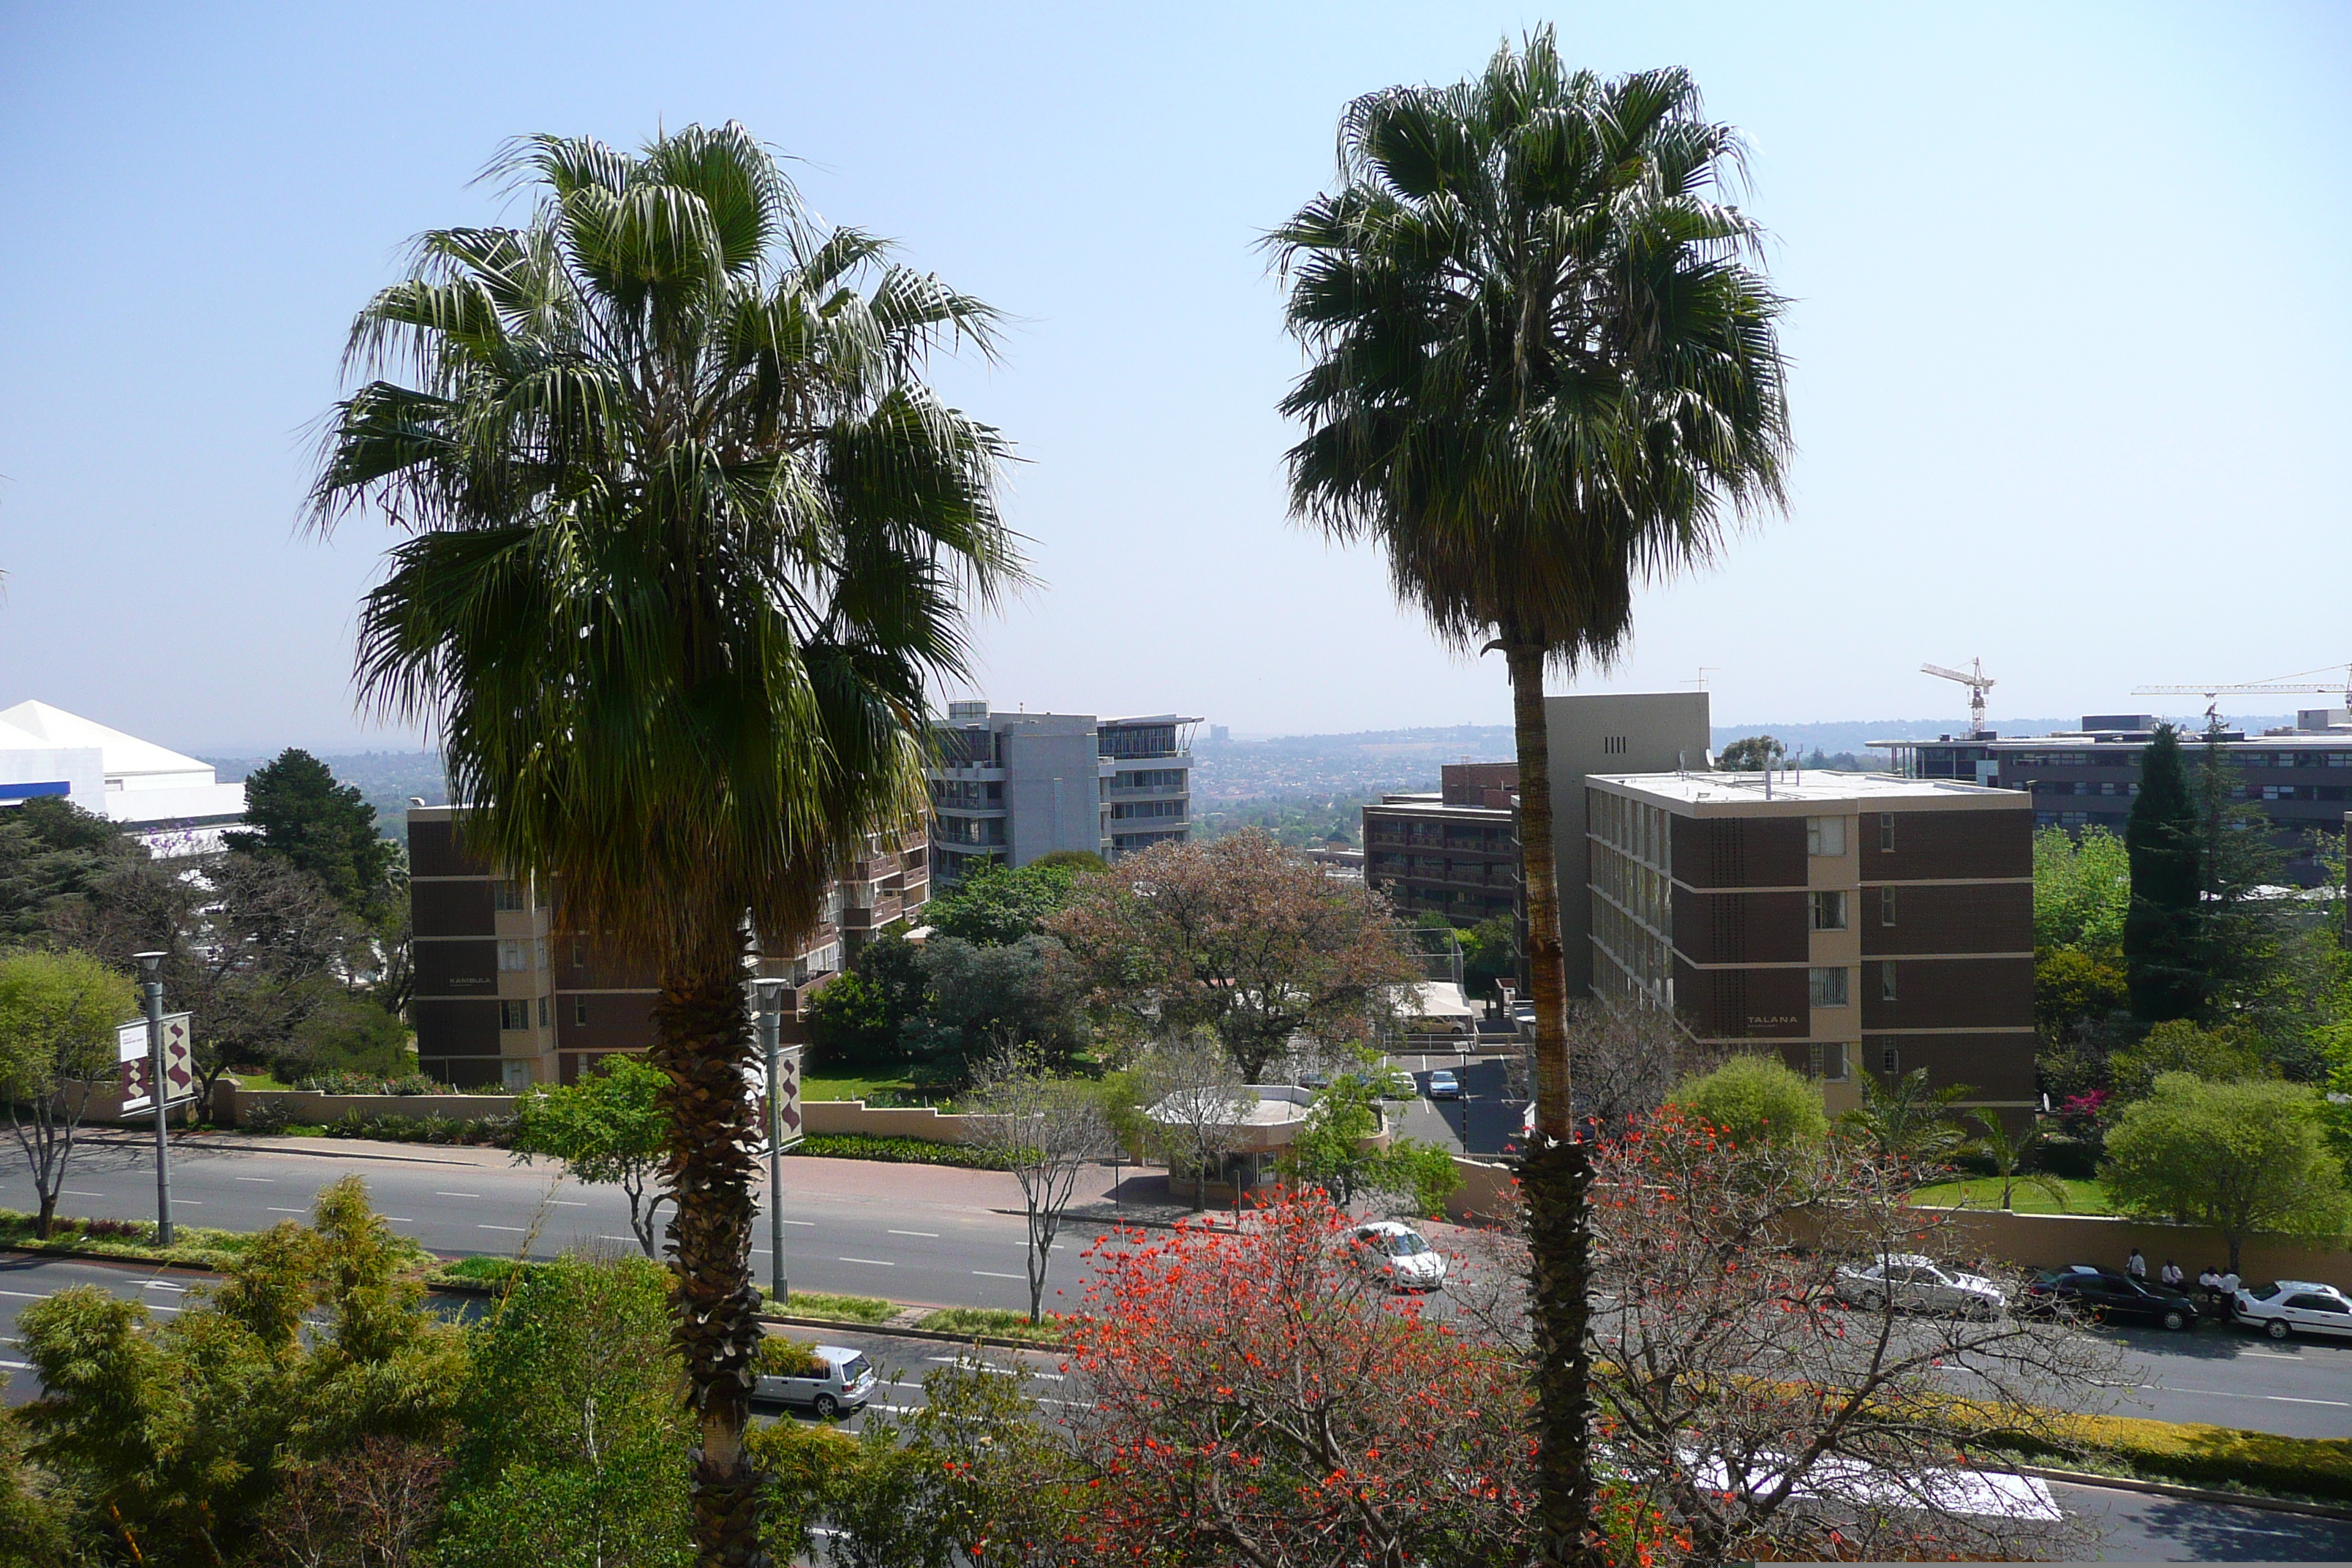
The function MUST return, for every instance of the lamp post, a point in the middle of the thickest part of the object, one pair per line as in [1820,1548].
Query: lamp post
[771,1033]
[151,970]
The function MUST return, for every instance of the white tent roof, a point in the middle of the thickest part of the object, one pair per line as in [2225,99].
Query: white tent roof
[36,725]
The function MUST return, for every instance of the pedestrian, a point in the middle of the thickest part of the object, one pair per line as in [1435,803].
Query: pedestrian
[2136,1267]
[2230,1286]
[2210,1283]
[2172,1275]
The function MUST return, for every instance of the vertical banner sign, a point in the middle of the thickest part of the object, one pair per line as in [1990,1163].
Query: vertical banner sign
[131,1050]
[178,1062]
[788,1130]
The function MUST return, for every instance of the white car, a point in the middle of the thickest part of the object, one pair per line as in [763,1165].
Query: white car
[1402,1253]
[1907,1280]
[1444,1085]
[840,1380]
[2284,1306]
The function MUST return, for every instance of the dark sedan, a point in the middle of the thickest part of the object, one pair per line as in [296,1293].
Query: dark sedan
[2110,1297]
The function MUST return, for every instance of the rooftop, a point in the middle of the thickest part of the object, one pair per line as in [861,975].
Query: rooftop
[1810,786]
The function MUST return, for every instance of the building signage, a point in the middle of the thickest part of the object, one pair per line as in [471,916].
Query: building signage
[788,1130]
[138,1080]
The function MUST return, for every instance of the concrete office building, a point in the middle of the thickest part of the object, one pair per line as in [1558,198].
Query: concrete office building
[2300,778]
[171,804]
[504,994]
[1454,852]
[1640,732]
[1849,922]
[1010,787]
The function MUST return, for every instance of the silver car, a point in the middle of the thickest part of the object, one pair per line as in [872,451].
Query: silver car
[1402,1254]
[839,1380]
[1906,1280]
[2293,1306]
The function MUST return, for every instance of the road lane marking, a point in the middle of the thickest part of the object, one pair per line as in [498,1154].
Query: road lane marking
[876,1262]
[518,1229]
[930,1235]
[566,1204]
[273,1208]
[28,1295]
[630,1240]
[984,1274]
[399,1219]
[257,1178]
[186,1204]
[77,1193]
[2232,1393]
[159,1285]
[436,1194]
[17,1365]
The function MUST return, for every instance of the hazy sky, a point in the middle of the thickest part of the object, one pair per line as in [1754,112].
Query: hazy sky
[2070,332]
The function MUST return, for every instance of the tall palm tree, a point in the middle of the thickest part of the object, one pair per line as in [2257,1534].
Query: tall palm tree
[1541,370]
[688,536]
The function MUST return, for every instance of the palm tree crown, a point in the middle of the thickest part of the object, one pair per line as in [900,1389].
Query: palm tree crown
[687,532]
[1542,369]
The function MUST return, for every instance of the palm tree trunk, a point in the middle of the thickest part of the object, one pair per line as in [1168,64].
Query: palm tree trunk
[702,1040]
[1555,1177]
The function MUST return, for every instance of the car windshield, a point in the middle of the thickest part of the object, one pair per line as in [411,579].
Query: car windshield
[2263,1292]
[1407,1244]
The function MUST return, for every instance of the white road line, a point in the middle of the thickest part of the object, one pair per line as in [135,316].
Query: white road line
[257,1178]
[436,1194]
[77,1193]
[876,1262]
[17,1365]
[984,1274]
[2233,1393]
[518,1229]
[566,1204]
[186,1204]
[399,1219]
[27,1295]
[159,1285]
[630,1240]
[273,1208]
[929,1235]
[806,1222]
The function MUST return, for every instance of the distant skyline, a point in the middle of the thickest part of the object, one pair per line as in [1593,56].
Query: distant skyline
[2067,331]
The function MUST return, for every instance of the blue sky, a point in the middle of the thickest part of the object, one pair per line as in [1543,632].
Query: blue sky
[2069,333]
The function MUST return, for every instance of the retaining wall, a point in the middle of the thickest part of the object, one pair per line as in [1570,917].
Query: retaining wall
[2055,1241]
[315,1108]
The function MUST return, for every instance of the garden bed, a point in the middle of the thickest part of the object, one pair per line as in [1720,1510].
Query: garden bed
[894,1150]
[991,1322]
[867,1310]
[133,1240]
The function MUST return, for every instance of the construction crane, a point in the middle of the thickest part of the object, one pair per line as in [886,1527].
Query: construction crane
[2281,687]
[1975,680]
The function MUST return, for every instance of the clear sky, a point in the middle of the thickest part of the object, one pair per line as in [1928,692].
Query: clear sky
[2070,337]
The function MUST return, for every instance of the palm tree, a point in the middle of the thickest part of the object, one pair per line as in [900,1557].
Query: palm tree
[688,536]
[1540,372]
[1906,1122]
[2008,1155]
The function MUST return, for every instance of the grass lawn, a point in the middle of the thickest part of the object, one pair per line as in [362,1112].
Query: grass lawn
[258,1081]
[992,1320]
[844,1309]
[850,1088]
[1984,1193]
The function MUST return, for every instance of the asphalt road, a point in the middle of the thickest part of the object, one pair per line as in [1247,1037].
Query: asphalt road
[2132,1527]
[911,1234]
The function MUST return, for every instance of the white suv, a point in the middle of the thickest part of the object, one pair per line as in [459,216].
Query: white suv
[2281,1307]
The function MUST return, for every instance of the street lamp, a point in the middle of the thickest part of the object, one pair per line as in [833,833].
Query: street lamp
[150,971]
[770,995]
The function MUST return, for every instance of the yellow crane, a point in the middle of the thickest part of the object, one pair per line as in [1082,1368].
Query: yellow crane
[1975,680]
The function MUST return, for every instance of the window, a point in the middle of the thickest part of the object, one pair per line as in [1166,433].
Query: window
[1828,1061]
[506,895]
[1890,1060]
[1886,833]
[1828,987]
[580,1011]
[545,1003]
[1825,835]
[1829,910]
[514,956]
[1886,905]
[1886,981]
[579,952]
[514,1015]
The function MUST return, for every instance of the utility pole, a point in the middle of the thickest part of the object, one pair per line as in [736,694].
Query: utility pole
[771,1033]
[151,967]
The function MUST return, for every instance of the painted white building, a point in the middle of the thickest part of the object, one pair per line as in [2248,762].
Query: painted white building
[173,804]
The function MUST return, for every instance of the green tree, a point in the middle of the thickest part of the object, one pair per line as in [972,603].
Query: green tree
[1490,955]
[1750,754]
[1078,860]
[52,854]
[2243,927]
[302,816]
[998,905]
[1541,370]
[572,1426]
[2223,1055]
[2082,890]
[1905,1122]
[1755,1099]
[57,1017]
[2241,1157]
[2160,939]
[984,1000]
[2071,987]
[689,542]
[850,1024]
[2009,1155]
[609,1130]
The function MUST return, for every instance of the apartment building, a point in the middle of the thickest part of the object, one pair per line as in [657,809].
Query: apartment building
[1454,852]
[504,994]
[2300,778]
[1009,787]
[1851,922]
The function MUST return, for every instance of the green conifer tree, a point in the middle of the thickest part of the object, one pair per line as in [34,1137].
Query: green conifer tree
[316,825]
[2160,928]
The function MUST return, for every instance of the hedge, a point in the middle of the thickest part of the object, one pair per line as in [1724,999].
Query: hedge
[2195,1454]
[192,1245]
[895,1150]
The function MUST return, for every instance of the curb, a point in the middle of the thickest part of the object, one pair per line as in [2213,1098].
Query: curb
[214,1141]
[88,1255]
[905,1332]
[2187,1494]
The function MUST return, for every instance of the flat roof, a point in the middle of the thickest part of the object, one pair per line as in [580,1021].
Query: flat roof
[1813,787]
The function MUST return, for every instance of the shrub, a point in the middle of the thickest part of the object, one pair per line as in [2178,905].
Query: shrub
[268,1118]
[846,1309]
[1752,1098]
[780,1357]
[485,1132]
[896,1151]
[995,1322]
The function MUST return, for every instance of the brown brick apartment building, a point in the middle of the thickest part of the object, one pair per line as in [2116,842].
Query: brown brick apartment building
[1849,922]
[504,994]
[1454,853]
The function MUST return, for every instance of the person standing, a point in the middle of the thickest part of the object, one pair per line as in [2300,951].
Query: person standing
[2136,1267]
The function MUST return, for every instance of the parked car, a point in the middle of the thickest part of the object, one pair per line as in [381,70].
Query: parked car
[1402,1254]
[1444,1085]
[832,1380]
[1396,1084]
[2286,1306]
[2104,1294]
[1909,1281]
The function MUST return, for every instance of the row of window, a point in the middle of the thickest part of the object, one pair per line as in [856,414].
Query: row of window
[1637,829]
[971,829]
[1139,740]
[1645,893]
[1827,834]
[967,795]
[1149,779]
[1829,910]
[519,954]
[1125,809]
[516,1013]
[1827,985]
[511,895]
[2129,757]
